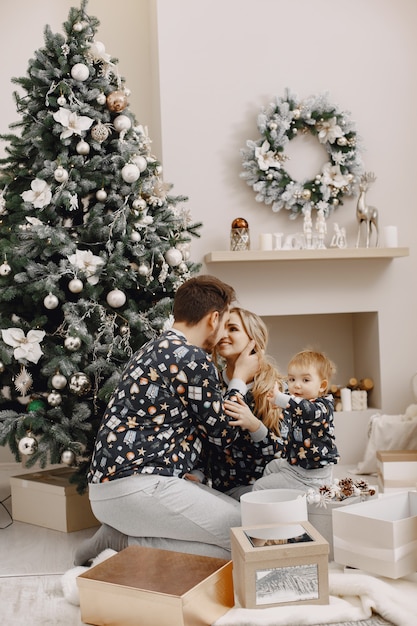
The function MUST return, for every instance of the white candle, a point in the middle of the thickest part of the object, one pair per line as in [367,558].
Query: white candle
[265,241]
[391,236]
[346,397]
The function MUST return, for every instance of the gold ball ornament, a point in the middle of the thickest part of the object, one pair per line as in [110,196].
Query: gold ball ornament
[130,173]
[240,222]
[116,298]
[116,101]
[80,72]
[50,302]
[79,384]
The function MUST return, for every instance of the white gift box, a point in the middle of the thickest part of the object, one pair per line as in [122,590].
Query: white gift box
[378,536]
[397,470]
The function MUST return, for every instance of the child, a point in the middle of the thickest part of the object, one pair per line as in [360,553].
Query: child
[307,427]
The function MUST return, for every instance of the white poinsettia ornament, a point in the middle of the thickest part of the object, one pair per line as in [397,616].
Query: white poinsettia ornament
[73,123]
[39,194]
[26,346]
[88,263]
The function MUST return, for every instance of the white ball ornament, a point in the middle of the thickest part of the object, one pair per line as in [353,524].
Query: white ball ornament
[135,236]
[173,257]
[143,269]
[75,285]
[80,72]
[28,445]
[82,147]
[130,173]
[60,174]
[116,298]
[54,398]
[101,195]
[61,101]
[100,132]
[5,269]
[122,122]
[101,98]
[58,381]
[78,27]
[72,343]
[50,301]
[68,457]
[139,203]
[141,162]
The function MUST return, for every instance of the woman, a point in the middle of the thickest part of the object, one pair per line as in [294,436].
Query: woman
[233,471]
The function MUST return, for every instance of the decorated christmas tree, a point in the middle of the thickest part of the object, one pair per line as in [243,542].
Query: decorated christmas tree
[93,247]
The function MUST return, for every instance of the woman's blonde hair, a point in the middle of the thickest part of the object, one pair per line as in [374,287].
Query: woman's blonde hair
[267,374]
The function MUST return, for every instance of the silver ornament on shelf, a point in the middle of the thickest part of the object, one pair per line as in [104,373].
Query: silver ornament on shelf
[122,122]
[72,343]
[54,398]
[58,381]
[116,298]
[75,285]
[130,173]
[28,445]
[68,457]
[83,147]
[101,195]
[61,174]
[80,72]
[173,257]
[5,269]
[50,301]
[79,384]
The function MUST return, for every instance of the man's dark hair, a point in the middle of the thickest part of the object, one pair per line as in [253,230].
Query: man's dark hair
[199,296]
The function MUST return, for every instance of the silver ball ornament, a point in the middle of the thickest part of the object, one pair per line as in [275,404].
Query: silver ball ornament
[101,98]
[50,302]
[68,457]
[82,148]
[141,162]
[101,195]
[130,173]
[28,445]
[75,285]
[78,27]
[139,203]
[72,343]
[61,101]
[5,269]
[122,122]
[116,298]
[80,72]
[135,236]
[61,174]
[173,257]
[54,398]
[79,384]
[143,269]
[58,381]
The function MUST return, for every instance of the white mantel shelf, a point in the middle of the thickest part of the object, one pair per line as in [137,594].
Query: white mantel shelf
[228,256]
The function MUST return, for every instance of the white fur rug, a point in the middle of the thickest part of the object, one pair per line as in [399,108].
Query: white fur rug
[354,597]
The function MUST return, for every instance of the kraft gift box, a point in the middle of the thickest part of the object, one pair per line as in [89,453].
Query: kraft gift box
[47,498]
[378,536]
[154,587]
[279,564]
[397,470]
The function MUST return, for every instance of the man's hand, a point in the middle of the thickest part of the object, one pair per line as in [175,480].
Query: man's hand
[247,363]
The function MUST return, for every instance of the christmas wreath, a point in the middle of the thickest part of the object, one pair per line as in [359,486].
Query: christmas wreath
[263,159]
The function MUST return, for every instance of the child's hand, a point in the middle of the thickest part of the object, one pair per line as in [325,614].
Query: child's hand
[272,393]
[241,415]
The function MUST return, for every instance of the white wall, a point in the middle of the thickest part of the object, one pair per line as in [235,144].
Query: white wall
[214,64]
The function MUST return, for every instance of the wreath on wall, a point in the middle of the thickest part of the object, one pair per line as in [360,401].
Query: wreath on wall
[263,159]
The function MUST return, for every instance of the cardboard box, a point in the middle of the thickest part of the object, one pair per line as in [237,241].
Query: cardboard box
[154,587]
[47,498]
[378,536]
[397,470]
[279,564]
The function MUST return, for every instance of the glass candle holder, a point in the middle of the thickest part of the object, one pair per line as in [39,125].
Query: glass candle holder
[239,235]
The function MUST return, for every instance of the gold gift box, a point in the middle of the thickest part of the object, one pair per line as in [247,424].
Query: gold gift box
[280,564]
[47,498]
[154,587]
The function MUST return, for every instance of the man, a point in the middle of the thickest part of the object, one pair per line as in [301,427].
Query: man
[167,404]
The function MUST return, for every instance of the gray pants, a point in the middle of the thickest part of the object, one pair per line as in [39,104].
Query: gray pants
[279,474]
[167,513]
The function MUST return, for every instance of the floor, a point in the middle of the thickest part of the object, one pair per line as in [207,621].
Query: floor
[32,562]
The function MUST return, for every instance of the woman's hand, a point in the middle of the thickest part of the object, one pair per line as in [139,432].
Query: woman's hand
[241,415]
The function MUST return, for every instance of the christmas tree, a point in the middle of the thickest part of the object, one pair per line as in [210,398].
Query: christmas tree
[93,247]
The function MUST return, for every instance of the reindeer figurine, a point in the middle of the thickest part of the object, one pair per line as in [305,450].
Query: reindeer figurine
[365,213]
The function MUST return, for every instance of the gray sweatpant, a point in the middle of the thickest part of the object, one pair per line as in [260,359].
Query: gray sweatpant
[167,513]
[279,474]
